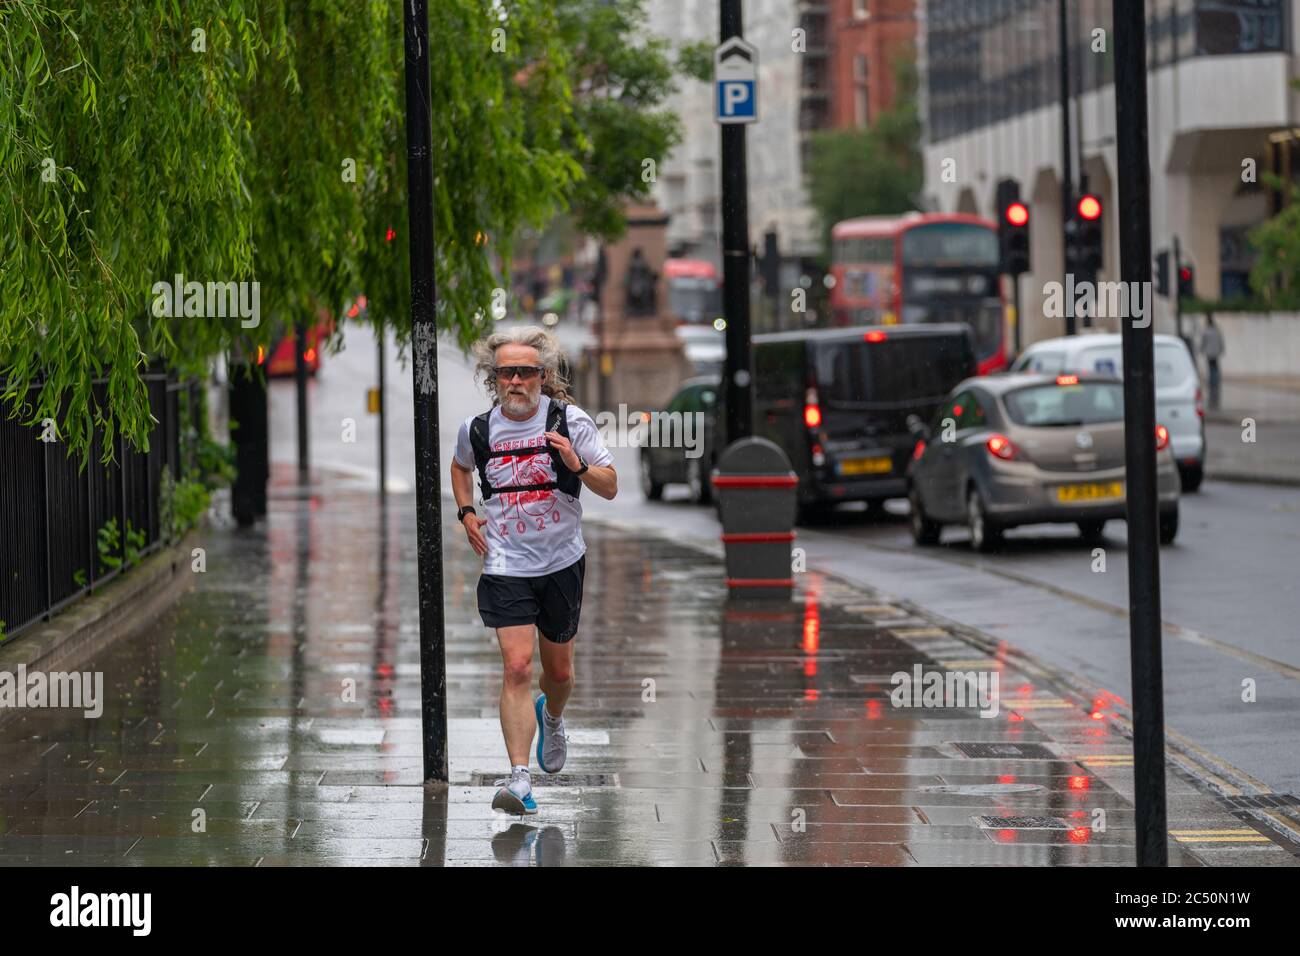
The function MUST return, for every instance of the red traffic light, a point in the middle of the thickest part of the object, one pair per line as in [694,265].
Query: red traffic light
[1089,208]
[1185,274]
[1017,214]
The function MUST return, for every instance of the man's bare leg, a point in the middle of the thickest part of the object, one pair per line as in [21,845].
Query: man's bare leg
[517,717]
[557,674]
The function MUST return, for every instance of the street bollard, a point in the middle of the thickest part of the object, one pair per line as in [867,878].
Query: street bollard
[756,489]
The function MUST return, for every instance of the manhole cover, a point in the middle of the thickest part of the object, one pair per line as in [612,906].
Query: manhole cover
[1263,801]
[1013,751]
[481,778]
[983,789]
[1021,823]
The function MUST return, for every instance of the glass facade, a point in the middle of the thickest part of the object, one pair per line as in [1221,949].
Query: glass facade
[993,59]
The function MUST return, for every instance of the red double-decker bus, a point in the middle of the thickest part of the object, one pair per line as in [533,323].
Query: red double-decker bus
[921,267]
[694,291]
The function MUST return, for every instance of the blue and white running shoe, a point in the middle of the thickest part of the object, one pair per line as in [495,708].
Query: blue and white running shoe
[552,744]
[516,797]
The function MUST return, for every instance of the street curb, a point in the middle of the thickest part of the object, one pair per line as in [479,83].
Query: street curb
[121,606]
[1214,777]
[1246,478]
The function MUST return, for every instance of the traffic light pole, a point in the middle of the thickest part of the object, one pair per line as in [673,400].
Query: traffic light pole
[424,371]
[1067,173]
[1178,287]
[735,257]
[1015,298]
[1134,174]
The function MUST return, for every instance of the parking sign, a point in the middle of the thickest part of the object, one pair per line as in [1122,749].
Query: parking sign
[735,81]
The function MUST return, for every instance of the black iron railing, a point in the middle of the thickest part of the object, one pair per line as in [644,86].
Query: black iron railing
[53,510]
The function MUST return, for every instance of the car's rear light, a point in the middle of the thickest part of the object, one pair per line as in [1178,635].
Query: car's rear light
[918,451]
[875,335]
[1067,380]
[812,412]
[1000,446]
[1162,438]
[1200,407]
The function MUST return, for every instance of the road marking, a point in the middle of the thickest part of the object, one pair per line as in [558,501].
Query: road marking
[1175,630]
[1040,703]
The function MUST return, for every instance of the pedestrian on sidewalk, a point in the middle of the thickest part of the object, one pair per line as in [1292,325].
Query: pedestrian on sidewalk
[1212,349]
[533,452]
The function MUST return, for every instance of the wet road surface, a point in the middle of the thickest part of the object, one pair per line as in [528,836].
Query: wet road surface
[271,717]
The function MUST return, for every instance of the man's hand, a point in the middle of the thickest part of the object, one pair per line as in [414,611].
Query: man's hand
[565,448]
[473,532]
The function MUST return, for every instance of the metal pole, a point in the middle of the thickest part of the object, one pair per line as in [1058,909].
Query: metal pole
[1067,173]
[1015,292]
[383,430]
[735,257]
[602,380]
[300,391]
[424,371]
[1178,287]
[1134,174]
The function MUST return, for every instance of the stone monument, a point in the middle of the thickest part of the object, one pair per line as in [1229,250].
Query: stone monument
[643,358]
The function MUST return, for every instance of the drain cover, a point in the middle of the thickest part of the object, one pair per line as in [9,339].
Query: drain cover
[1015,751]
[983,789]
[481,778]
[1021,823]
[1263,801]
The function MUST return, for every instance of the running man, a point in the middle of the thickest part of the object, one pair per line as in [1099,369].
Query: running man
[531,454]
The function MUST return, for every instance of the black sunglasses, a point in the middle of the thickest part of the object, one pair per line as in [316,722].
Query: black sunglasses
[526,372]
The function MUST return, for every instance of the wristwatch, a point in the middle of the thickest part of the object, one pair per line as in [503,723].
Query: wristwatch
[584,467]
[467,510]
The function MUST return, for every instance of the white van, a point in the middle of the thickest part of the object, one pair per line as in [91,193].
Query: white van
[1178,386]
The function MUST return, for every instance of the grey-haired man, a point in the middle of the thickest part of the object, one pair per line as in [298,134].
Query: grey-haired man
[533,452]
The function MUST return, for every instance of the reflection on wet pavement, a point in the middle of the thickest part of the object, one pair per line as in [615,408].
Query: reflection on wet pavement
[272,717]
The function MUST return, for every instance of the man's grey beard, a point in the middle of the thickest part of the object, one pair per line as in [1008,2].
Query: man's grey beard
[516,405]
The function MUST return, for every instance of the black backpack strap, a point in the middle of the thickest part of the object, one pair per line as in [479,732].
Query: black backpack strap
[479,441]
[557,420]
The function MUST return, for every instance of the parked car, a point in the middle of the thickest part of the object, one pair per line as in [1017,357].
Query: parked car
[682,453]
[1025,448]
[837,402]
[1179,404]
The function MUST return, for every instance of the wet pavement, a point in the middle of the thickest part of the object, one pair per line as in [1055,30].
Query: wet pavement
[271,717]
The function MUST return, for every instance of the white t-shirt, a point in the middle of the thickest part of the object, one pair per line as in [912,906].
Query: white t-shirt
[531,533]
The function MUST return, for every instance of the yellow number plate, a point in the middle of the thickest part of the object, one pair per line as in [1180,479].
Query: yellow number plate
[1093,492]
[867,466]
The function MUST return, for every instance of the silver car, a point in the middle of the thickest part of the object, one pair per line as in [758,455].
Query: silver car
[1026,448]
[1178,386]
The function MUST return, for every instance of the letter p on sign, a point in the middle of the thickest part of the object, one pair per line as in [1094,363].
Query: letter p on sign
[735,72]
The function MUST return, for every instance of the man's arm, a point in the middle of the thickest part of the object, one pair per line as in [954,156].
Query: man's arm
[601,479]
[462,486]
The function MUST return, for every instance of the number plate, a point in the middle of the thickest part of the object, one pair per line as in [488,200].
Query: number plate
[1099,491]
[881,465]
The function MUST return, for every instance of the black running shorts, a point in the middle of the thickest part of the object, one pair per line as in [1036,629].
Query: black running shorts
[551,601]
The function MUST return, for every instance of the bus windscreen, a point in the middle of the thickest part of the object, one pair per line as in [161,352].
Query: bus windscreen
[950,244]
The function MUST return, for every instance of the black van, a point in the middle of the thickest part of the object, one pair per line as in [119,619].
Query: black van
[837,401]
